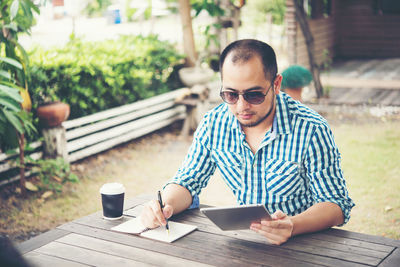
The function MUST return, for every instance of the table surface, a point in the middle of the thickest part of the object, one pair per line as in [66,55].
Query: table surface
[88,241]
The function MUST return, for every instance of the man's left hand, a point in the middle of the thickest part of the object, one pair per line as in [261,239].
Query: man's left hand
[277,231]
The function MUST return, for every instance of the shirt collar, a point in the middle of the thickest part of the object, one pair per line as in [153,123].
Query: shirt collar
[282,115]
[282,118]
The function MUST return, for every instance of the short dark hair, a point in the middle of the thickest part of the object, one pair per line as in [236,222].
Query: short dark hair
[244,50]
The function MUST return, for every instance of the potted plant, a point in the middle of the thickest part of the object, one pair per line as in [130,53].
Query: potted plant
[201,73]
[294,78]
[50,111]
[195,75]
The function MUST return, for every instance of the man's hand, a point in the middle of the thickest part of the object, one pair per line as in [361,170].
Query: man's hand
[152,216]
[176,198]
[277,231]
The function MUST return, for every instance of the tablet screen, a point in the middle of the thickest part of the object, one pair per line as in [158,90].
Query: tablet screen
[237,217]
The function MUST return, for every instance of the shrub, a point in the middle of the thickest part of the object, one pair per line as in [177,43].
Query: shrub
[53,173]
[94,76]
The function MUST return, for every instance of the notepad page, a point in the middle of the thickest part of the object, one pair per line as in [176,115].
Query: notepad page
[133,226]
[176,230]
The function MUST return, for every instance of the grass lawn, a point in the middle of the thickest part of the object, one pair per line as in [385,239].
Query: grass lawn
[371,165]
[370,161]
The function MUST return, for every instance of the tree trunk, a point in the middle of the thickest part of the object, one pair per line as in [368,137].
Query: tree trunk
[188,38]
[236,22]
[301,18]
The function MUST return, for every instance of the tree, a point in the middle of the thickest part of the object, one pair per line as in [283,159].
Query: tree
[15,122]
[188,38]
[16,16]
[302,19]
[216,9]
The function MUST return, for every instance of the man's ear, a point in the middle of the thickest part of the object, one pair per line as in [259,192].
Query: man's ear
[277,83]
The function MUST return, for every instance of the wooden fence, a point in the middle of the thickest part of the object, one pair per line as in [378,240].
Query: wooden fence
[98,132]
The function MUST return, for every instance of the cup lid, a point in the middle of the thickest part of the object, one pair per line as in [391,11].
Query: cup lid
[112,189]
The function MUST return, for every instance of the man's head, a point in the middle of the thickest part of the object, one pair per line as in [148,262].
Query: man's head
[250,81]
[242,51]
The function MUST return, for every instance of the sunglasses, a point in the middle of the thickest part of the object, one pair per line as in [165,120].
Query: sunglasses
[252,97]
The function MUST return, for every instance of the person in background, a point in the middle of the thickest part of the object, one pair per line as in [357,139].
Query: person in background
[270,150]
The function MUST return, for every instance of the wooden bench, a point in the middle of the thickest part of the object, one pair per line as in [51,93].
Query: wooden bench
[98,132]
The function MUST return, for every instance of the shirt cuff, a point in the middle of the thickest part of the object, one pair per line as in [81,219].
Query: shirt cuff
[195,198]
[345,205]
[195,202]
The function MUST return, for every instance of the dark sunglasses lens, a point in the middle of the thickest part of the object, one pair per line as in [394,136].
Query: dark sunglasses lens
[254,97]
[230,97]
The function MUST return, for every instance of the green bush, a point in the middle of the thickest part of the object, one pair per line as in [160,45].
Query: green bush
[53,173]
[94,76]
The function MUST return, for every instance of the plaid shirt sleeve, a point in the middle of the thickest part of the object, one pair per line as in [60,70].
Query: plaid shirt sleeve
[322,163]
[197,166]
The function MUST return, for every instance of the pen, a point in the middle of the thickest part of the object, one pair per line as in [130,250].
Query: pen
[162,206]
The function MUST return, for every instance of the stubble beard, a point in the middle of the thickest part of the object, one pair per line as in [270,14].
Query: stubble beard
[257,122]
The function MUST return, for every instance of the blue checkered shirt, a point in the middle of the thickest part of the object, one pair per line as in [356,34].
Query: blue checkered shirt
[296,165]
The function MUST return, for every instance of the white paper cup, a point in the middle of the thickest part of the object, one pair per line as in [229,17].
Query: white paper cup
[112,199]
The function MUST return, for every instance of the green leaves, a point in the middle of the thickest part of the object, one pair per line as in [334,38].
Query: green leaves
[53,173]
[12,118]
[94,76]
[18,15]
[212,8]
[11,93]
[14,9]
[11,61]
[8,103]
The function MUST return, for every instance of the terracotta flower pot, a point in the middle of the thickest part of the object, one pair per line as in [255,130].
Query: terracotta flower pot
[53,114]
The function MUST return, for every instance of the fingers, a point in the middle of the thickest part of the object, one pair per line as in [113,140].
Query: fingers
[278,215]
[284,227]
[152,216]
[168,210]
[279,224]
[274,237]
[277,231]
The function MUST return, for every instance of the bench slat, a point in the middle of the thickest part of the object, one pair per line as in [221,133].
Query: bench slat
[5,157]
[91,128]
[122,139]
[122,109]
[119,130]
[11,165]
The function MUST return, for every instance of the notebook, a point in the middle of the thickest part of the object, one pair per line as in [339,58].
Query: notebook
[176,230]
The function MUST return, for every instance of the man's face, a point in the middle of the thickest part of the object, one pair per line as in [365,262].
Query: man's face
[249,77]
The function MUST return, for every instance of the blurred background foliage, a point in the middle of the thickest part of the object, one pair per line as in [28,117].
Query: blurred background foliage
[16,18]
[94,76]
[257,10]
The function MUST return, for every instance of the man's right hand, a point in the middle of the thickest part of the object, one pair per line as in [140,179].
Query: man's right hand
[152,216]
[176,199]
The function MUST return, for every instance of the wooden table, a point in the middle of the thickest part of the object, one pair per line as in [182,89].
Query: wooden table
[88,241]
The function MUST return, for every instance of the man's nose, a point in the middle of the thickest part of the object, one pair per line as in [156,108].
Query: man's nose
[242,104]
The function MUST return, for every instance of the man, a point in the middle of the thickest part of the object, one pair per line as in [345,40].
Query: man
[269,149]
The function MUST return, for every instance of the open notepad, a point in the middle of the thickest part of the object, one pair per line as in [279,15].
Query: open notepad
[176,230]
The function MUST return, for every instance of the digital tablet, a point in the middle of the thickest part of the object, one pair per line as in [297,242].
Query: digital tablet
[236,217]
